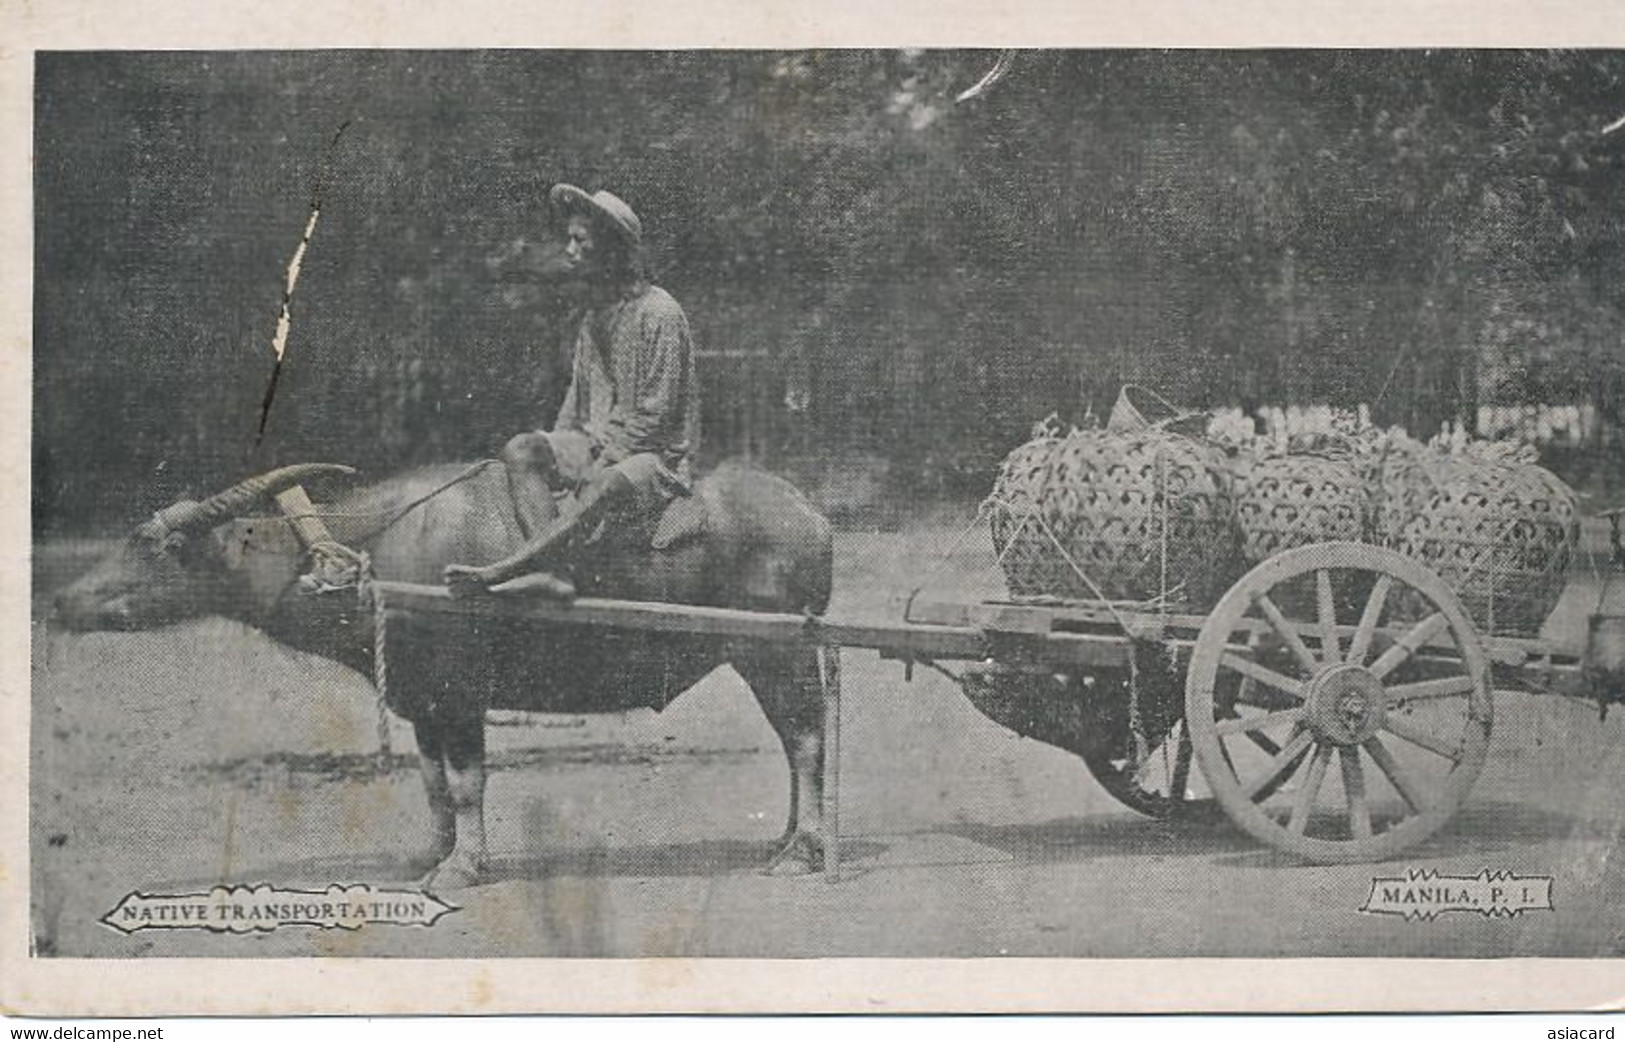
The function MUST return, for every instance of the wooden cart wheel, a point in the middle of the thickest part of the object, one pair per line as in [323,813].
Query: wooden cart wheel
[1162,783]
[1376,744]
[1157,786]
[1151,775]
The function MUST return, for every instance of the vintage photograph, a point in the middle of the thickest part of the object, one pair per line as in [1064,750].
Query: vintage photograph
[909,503]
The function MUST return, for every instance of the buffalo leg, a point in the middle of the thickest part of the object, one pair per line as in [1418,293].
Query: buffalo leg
[462,735]
[442,815]
[787,687]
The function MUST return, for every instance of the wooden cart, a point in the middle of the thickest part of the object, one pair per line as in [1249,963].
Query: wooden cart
[1337,700]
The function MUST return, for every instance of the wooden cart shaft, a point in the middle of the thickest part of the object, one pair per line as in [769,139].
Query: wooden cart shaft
[1023,637]
[1058,638]
[891,640]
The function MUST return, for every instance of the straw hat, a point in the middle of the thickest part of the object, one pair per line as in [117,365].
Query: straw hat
[608,206]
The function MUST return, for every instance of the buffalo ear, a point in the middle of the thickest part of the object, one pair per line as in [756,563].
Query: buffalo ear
[235,540]
[229,543]
[204,546]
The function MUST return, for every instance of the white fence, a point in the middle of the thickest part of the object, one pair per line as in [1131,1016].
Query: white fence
[1548,424]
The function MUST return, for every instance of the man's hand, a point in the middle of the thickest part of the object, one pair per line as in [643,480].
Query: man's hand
[573,453]
[466,580]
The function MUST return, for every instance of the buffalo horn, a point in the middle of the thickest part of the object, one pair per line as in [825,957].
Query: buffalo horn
[228,504]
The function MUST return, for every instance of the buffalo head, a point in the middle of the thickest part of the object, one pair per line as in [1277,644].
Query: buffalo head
[170,567]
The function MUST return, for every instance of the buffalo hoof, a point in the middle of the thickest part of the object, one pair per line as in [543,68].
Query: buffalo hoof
[457,872]
[422,862]
[803,855]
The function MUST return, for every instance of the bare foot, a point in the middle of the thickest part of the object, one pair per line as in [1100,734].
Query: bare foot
[466,580]
[539,584]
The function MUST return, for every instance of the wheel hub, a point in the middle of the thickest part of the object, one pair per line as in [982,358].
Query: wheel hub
[1346,705]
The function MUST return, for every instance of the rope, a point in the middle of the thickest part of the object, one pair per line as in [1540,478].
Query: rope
[1393,370]
[370,596]
[1027,517]
[1035,513]
[942,558]
[1136,716]
[329,515]
[1136,722]
[1032,515]
[1490,557]
[1162,501]
[334,565]
[1141,748]
[1093,588]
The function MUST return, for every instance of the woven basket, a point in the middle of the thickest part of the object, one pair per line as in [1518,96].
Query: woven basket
[1026,552]
[1289,501]
[1502,535]
[1143,515]
[1401,484]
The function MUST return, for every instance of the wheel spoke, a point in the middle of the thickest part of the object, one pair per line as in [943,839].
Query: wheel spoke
[1397,776]
[1417,736]
[1247,690]
[1263,674]
[1292,765]
[1239,724]
[1246,694]
[1263,741]
[1330,652]
[1409,644]
[1287,632]
[1283,759]
[1361,644]
[1425,689]
[1369,653]
[1354,790]
[1304,805]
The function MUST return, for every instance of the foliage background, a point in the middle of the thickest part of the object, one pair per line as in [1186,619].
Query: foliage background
[873,272]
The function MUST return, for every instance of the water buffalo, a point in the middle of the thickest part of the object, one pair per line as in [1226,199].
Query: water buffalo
[760,546]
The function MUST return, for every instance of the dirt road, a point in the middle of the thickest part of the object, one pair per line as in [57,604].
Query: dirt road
[170,761]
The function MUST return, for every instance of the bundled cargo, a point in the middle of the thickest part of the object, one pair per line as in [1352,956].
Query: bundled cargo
[1296,498]
[1497,528]
[1146,510]
[1502,534]
[1293,491]
[1132,515]
[1026,552]
[1400,476]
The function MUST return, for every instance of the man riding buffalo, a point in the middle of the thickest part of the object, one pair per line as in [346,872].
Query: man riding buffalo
[629,422]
